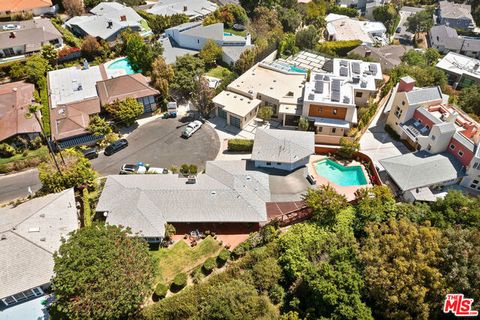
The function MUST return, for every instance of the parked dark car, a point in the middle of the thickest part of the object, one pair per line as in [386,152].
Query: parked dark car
[91,153]
[168,115]
[116,146]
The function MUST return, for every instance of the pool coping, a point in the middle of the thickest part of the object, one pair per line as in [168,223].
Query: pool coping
[116,74]
[348,191]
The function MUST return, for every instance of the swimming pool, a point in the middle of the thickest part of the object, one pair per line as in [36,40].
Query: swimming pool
[296,69]
[120,66]
[227,34]
[340,175]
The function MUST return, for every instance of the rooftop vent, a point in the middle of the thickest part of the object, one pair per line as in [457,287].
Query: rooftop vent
[42,215]
[213,193]
[43,239]
[191,179]
[3,237]
[33,229]
[248,178]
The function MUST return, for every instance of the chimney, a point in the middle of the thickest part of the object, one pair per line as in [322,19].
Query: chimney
[184,8]
[406,84]
[191,179]
[368,53]
[123,18]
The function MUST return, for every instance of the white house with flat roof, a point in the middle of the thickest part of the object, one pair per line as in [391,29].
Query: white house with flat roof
[343,28]
[275,84]
[330,100]
[193,9]
[462,71]
[29,235]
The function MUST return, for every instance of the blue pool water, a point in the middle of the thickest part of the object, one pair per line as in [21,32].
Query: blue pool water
[296,69]
[227,34]
[340,175]
[121,64]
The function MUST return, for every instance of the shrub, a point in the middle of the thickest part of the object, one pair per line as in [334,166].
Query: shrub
[179,282]
[223,257]
[338,48]
[35,143]
[6,150]
[240,145]
[350,12]
[184,169]
[209,265]
[161,291]
[193,169]
[197,275]
[276,293]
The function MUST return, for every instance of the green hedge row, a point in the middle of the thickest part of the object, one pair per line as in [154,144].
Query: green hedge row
[338,48]
[240,145]
[69,37]
[42,87]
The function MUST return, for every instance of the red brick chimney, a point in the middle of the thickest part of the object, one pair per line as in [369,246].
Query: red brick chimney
[406,84]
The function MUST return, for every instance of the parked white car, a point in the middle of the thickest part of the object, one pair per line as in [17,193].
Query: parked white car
[141,169]
[191,128]
[10,27]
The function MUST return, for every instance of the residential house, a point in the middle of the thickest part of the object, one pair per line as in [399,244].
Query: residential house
[276,84]
[442,133]
[189,38]
[15,118]
[193,9]
[282,149]
[343,28]
[330,100]
[388,56]
[132,85]
[462,71]
[36,7]
[233,194]
[455,15]
[446,39]
[29,235]
[108,21]
[26,37]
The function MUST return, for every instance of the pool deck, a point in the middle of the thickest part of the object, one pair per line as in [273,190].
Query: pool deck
[349,191]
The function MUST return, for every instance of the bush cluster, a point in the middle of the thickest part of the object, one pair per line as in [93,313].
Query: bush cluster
[209,265]
[161,291]
[7,151]
[338,48]
[240,145]
[179,282]
[223,257]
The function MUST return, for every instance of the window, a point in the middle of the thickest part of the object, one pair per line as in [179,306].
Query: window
[452,146]
[358,94]
[319,129]
[279,163]
[334,130]
[460,153]
[22,296]
[268,163]
[475,165]
[398,112]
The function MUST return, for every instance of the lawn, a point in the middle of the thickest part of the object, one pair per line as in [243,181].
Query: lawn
[183,258]
[235,32]
[219,72]
[42,151]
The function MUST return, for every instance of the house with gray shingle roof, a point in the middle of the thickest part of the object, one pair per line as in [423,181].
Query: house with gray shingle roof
[282,149]
[189,38]
[29,235]
[227,193]
[193,9]
[455,15]
[446,39]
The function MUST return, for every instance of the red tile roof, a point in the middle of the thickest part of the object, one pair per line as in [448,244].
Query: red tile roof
[23,5]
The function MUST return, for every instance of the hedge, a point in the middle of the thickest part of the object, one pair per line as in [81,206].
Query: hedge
[240,145]
[350,12]
[223,257]
[179,282]
[338,48]
[45,110]
[209,265]
[161,291]
[69,37]
[87,211]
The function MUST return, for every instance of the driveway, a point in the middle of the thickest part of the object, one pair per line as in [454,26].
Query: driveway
[377,144]
[404,36]
[157,143]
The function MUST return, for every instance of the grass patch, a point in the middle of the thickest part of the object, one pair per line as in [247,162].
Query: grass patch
[42,151]
[182,258]
[236,32]
[219,72]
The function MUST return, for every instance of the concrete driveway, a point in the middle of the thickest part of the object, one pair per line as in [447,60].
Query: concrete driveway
[377,144]
[159,143]
[404,36]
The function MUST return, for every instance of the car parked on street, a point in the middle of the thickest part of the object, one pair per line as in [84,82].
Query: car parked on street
[116,146]
[140,168]
[90,153]
[191,128]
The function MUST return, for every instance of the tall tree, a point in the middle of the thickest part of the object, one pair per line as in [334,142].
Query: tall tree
[287,45]
[187,70]
[73,7]
[388,15]
[125,111]
[91,48]
[307,38]
[376,204]
[101,272]
[139,53]
[469,99]
[326,203]
[420,22]
[50,54]
[265,23]
[211,52]
[401,275]
[202,97]
[162,75]
[33,70]
[290,19]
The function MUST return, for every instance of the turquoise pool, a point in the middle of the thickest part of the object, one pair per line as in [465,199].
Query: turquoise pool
[121,64]
[340,175]
[227,34]
[296,69]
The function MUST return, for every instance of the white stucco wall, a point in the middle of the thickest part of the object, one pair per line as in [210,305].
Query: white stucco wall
[282,166]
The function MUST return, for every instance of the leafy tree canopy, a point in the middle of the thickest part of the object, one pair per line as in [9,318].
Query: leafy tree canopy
[211,52]
[228,14]
[420,22]
[326,203]
[139,53]
[187,69]
[101,272]
[125,111]
[162,75]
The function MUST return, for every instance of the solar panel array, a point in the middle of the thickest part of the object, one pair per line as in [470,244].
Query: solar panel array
[373,68]
[319,86]
[356,67]
[336,90]
[343,71]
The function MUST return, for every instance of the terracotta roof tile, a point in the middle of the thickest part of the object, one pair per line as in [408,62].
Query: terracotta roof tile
[23,5]
[133,85]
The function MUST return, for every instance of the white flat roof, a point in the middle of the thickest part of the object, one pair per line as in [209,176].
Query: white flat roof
[460,64]
[328,122]
[236,103]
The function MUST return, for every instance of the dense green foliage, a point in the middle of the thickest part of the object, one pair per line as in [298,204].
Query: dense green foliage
[307,38]
[75,169]
[326,203]
[420,22]
[243,145]
[161,76]
[346,11]
[161,291]
[469,99]
[337,48]
[208,265]
[34,69]
[101,272]
[186,70]
[223,257]
[228,14]
[211,52]
[348,147]
[388,15]
[179,282]
[159,23]
[99,126]
[265,113]
[87,211]
[125,111]
[139,53]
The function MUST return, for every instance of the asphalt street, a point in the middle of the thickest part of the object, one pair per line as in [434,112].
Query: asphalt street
[158,143]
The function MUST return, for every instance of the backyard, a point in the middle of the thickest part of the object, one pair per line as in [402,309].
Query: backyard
[219,72]
[182,258]
[21,161]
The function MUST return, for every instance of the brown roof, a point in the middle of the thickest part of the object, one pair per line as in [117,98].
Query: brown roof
[32,34]
[15,97]
[132,85]
[23,5]
[72,120]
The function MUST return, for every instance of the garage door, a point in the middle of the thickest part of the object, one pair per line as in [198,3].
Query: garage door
[234,121]
[222,114]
